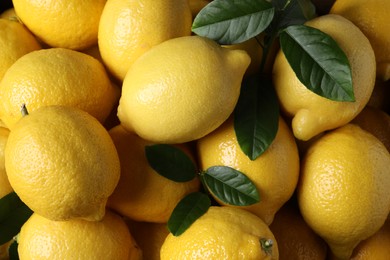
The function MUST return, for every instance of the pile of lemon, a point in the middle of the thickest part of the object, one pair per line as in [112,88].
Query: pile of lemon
[86,85]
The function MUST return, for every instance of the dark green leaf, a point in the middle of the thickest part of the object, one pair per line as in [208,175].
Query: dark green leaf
[13,214]
[170,162]
[292,12]
[230,186]
[189,209]
[13,251]
[319,63]
[231,21]
[256,116]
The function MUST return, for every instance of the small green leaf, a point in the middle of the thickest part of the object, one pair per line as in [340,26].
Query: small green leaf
[230,186]
[319,63]
[13,251]
[256,116]
[187,211]
[13,214]
[170,162]
[231,21]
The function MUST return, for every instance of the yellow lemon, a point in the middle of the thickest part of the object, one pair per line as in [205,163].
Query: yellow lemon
[375,247]
[223,233]
[62,23]
[149,237]
[128,28]
[372,17]
[142,194]
[15,41]
[41,238]
[296,240]
[274,173]
[62,163]
[182,89]
[375,121]
[343,192]
[56,76]
[312,114]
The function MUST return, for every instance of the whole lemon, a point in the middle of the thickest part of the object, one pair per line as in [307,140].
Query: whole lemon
[70,24]
[62,163]
[223,233]
[275,173]
[56,76]
[15,41]
[373,20]
[41,238]
[142,194]
[181,89]
[312,114]
[343,192]
[128,28]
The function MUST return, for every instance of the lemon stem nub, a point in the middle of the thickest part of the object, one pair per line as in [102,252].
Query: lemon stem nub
[23,110]
[266,245]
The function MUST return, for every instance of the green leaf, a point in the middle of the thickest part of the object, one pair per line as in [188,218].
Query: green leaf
[13,214]
[256,116]
[292,12]
[13,251]
[319,63]
[170,162]
[187,211]
[230,186]
[232,21]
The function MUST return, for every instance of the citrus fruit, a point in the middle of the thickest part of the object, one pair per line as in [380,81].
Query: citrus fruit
[296,240]
[56,76]
[62,163]
[343,190]
[15,41]
[62,23]
[372,19]
[128,28]
[274,178]
[41,238]
[142,194]
[312,114]
[163,99]
[223,233]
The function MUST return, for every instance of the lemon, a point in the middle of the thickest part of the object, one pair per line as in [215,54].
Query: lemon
[142,194]
[149,237]
[41,238]
[56,76]
[376,246]
[181,89]
[312,114]
[62,163]
[372,19]
[15,41]
[296,240]
[223,233]
[375,121]
[62,23]
[275,173]
[343,192]
[128,28]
